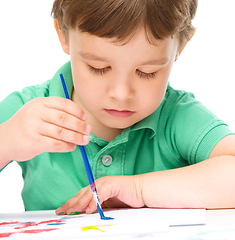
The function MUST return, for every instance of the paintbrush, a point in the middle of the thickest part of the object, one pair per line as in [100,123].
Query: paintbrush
[87,165]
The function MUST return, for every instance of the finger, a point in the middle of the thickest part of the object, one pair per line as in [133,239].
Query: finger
[86,202]
[92,207]
[105,192]
[65,120]
[72,202]
[63,134]
[47,144]
[120,191]
[64,105]
[109,192]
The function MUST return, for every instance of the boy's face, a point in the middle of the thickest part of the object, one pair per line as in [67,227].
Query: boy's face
[118,85]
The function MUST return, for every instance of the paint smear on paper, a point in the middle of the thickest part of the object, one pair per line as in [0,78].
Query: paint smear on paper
[7,223]
[21,225]
[5,235]
[96,227]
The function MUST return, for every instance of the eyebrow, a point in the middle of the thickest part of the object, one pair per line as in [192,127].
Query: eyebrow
[160,61]
[90,56]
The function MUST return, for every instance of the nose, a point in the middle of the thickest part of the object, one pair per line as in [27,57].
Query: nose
[121,90]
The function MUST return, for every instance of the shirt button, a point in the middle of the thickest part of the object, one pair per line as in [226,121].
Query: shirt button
[107,160]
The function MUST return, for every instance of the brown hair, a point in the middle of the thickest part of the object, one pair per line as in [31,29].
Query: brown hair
[121,19]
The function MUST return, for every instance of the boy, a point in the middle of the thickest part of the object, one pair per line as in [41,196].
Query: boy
[173,151]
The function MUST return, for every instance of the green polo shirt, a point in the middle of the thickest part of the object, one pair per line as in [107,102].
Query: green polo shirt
[179,133]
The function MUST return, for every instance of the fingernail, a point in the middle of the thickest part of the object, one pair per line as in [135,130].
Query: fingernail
[74,146]
[60,211]
[93,212]
[84,116]
[85,138]
[74,213]
[88,129]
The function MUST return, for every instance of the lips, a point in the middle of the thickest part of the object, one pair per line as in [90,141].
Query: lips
[119,114]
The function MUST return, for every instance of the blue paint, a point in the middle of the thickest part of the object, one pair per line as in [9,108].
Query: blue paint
[87,165]
[102,213]
[56,223]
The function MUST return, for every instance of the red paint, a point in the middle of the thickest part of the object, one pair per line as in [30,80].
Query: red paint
[20,225]
[25,225]
[38,230]
[7,223]
[4,235]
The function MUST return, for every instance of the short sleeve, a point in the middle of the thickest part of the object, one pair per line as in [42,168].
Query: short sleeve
[193,129]
[12,103]
[209,140]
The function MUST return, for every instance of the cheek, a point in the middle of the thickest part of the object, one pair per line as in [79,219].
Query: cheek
[87,91]
[152,97]
[151,101]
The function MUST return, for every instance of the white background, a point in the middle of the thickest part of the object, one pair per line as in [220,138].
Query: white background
[31,54]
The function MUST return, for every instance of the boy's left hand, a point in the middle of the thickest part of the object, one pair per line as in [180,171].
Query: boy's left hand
[113,191]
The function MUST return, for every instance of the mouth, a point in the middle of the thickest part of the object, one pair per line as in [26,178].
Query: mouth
[119,114]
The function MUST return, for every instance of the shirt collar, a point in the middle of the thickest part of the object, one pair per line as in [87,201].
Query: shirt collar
[56,88]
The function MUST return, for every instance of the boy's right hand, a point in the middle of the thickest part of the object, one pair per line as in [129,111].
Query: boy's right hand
[51,124]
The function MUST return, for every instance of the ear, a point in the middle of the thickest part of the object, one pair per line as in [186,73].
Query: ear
[63,41]
[183,44]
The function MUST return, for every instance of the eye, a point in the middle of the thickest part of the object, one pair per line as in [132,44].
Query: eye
[146,75]
[99,71]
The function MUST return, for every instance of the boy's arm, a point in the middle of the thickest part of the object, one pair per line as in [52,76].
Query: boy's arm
[209,184]
[4,159]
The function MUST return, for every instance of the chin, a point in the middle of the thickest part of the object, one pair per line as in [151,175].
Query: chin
[119,124]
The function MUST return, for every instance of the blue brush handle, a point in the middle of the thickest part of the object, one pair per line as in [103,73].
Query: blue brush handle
[64,86]
[82,149]
[87,165]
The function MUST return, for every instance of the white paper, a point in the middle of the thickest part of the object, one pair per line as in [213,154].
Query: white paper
[127,222]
